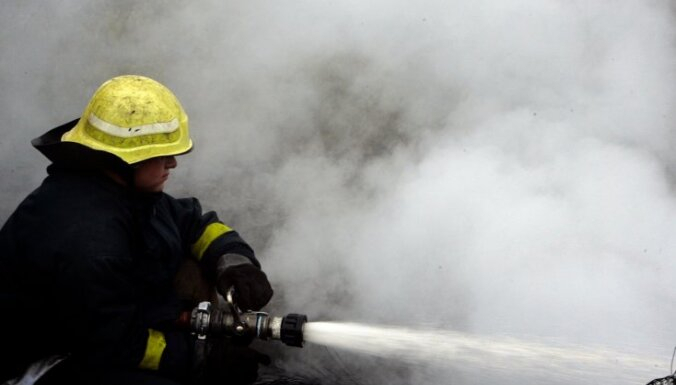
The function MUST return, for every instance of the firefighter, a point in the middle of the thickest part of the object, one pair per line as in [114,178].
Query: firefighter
[89,260]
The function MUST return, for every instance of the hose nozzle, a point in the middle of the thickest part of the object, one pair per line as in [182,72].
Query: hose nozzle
[206,320]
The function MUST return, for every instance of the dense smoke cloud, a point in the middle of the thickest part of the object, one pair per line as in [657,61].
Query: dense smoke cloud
[495,167]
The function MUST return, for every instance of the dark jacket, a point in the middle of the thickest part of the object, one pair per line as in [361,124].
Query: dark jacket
[86,269]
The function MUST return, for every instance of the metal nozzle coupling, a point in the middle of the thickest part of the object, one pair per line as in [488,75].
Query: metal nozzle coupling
[205,320]
[291,329]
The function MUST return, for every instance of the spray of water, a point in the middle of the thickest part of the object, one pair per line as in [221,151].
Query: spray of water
[497,354]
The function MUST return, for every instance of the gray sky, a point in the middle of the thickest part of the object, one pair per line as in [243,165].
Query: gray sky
[494,167]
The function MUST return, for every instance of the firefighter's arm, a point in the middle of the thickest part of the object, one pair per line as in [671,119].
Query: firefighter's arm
[225,257]
[108,328]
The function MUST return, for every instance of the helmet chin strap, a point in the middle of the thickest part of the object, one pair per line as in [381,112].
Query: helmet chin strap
[123,175]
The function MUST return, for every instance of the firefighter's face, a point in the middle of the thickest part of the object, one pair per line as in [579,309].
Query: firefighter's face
[151,174]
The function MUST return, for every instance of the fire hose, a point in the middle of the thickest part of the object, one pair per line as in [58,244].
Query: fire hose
[207,320]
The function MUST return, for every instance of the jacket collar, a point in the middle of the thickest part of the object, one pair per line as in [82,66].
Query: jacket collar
[75,156]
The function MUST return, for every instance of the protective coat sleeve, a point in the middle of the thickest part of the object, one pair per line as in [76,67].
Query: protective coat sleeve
[206,237]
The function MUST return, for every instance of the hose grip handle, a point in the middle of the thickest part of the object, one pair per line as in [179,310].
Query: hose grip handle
[239,325]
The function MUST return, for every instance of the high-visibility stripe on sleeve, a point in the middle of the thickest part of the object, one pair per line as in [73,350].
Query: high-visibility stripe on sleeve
[154,349]
[211,232]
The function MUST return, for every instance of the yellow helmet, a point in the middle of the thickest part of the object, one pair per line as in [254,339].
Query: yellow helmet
[134,118]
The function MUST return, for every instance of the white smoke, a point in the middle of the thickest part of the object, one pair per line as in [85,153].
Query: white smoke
[492,167]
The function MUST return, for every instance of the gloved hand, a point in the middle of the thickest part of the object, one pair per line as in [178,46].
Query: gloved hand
[252,288]
[232,364]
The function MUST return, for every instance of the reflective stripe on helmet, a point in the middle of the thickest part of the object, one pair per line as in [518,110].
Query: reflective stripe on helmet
[154,349]
[128,132]
[210,233]
[132,141]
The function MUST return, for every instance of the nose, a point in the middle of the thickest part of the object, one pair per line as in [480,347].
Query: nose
[170,162]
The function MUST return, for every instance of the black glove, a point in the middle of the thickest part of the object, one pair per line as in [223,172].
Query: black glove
[252,289]
[232,364]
